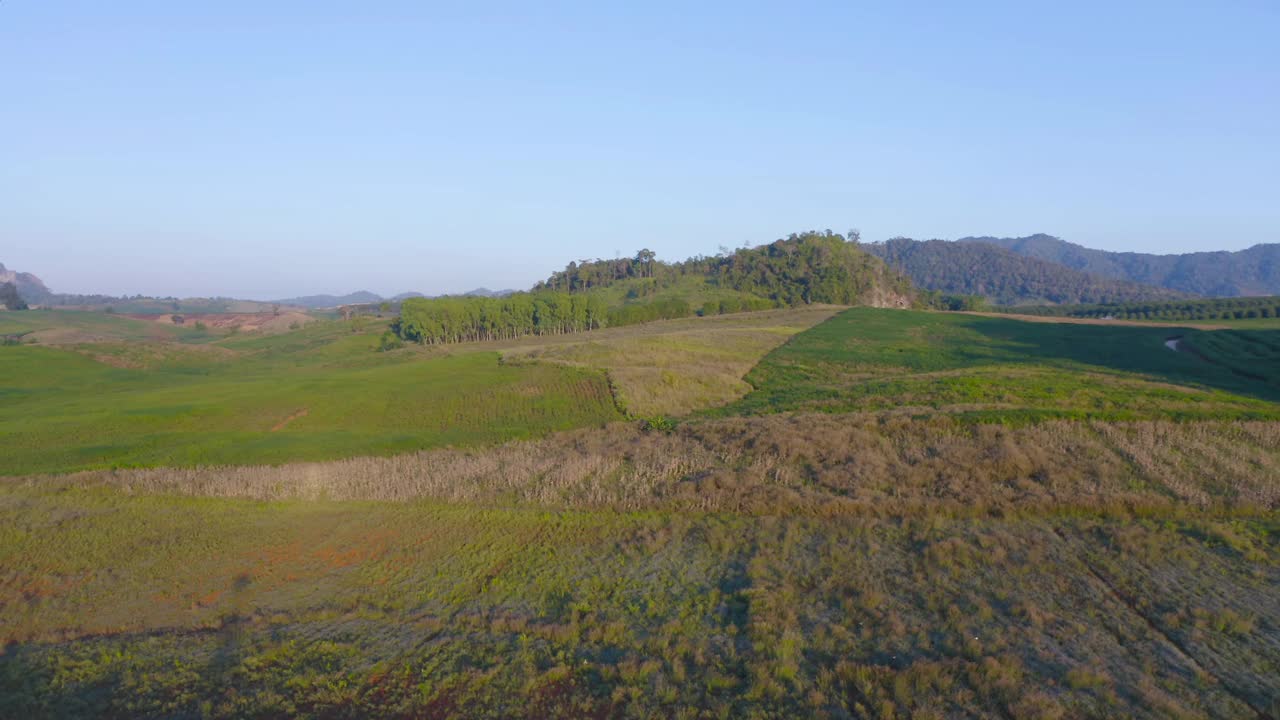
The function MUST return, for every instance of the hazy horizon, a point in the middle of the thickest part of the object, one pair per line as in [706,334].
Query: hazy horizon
[454,288]
[312,148]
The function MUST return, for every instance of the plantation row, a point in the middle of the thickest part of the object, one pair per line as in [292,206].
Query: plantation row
[433,321]
[1208,309]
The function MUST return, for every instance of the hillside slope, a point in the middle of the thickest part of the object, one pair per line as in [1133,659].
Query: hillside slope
[1004,277]
[1254,271]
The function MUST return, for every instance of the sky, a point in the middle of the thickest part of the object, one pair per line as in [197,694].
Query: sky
[273,149]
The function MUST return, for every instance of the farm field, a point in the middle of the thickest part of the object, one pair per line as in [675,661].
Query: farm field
[896,514]
[997,369]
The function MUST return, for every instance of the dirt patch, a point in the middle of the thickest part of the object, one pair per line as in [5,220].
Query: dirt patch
[285,422]
[243,322]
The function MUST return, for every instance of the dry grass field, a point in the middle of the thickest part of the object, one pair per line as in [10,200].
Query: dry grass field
[678,366]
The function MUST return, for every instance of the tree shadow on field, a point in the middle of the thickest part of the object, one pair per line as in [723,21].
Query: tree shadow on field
[1249,366]
[231,635]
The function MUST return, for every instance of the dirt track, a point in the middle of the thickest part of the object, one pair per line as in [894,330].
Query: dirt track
[1096,321]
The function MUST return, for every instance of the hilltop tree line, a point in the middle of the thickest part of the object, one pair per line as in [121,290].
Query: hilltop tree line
[1003,276]
[1207,309]
[804,268]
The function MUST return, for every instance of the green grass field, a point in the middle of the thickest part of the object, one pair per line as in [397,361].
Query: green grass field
[993,369]
[907,514]
[303,396]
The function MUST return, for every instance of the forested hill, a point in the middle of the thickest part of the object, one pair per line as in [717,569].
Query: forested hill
[802,269]
[1255,271]
[1005,277]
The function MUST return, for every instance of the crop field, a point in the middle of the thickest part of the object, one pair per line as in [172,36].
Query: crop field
[1250,354]
[998,369]
[907,514]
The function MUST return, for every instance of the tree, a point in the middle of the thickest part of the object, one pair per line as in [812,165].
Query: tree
[645,259]
[10,298]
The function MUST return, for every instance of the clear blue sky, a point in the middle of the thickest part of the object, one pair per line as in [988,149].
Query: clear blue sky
[275,148]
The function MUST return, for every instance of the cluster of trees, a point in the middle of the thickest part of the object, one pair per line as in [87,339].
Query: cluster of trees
[664,309]
[589,274]
[460,319]
[10,298]
[1254,271]
[955,303]
[735,305]
[1208,309]
[1005,277]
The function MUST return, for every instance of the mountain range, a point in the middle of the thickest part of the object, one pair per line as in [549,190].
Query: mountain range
[1254,271]
[1005,277]
[364,297]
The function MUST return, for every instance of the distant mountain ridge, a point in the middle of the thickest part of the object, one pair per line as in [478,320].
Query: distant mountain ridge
[1003,276]
[364,297]
[1251,272]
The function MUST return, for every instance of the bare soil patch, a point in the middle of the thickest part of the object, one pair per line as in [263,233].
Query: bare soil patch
[285,422]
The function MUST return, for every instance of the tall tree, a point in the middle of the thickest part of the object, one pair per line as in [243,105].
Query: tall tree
[10,298]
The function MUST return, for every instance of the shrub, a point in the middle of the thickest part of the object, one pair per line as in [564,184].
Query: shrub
[658,423]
